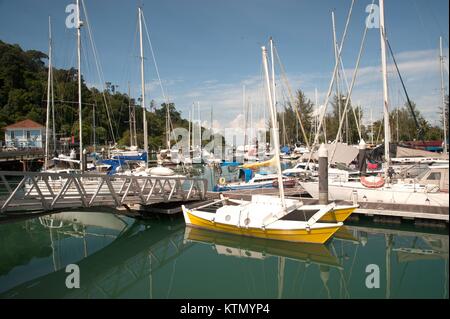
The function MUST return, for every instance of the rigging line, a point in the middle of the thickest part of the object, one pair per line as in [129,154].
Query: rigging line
[429,37]
[419,132]
[348,95]
[379,130]
[154,60]
[347,101]
[437,22]
[330,87]
[165,97]
[283,72]
[99,70]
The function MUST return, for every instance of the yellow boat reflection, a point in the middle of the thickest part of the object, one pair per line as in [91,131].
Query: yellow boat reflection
[257,248]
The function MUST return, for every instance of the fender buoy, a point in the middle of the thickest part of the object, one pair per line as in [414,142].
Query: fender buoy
[222,181]
[372,181]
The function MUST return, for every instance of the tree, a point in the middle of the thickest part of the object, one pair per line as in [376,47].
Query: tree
[349,128]
[292,127]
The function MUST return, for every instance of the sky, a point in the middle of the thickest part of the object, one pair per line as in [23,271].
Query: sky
[207,50]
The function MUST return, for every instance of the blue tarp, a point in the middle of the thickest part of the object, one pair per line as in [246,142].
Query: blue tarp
[233,164]
[118,161]
[248,173]
[286,150]
[142,157]
[115,163]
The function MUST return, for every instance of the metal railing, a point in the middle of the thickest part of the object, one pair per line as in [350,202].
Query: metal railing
[27,191]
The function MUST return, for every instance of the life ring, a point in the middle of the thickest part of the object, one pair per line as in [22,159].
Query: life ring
[372,181]
[222,181]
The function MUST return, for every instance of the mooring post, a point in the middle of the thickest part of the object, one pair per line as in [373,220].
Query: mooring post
[323,175]
[84,162]
[362,166]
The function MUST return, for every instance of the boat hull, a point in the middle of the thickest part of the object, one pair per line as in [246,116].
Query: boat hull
[379,195]
[338,215]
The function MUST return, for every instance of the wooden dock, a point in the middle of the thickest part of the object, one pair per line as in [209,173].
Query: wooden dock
[21,155]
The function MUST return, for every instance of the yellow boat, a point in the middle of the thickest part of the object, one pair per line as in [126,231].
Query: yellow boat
[262,217]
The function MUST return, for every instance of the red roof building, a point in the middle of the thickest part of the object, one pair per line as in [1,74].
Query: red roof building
[26,133]
[25,124]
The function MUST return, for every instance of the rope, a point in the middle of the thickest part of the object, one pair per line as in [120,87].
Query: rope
[330,87]
[291,96]
[165,97]
[99,70]
[341,120]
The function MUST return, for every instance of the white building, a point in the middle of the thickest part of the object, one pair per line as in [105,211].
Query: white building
[25,133]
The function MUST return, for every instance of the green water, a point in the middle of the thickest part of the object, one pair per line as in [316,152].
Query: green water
[119,257]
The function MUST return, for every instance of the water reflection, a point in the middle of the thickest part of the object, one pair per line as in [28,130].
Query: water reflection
[120,257]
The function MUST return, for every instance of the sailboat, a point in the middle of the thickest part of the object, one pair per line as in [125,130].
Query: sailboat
[266,216]
[421,191]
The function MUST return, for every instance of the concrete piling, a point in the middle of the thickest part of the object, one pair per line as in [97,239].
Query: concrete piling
[323,175]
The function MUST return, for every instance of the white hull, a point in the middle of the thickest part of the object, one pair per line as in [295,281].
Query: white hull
[394,194]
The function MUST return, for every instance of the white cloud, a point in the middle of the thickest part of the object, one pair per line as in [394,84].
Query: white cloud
[419,69]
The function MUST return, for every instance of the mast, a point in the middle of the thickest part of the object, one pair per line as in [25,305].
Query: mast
[336,56]
[274,128]
[93,123]
[244,115]
[211,126]
[444,115]
[387,128]
[144,117]
[53,98]
[167,125]
[130,116]
[371,126]
[79,24]
[274,93]
[316,117]
[199,127]
[47,129]
[189,135]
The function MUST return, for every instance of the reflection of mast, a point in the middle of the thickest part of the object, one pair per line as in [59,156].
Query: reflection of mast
[281,266]
[150,279]
[85,247]
[55,262]
[325,276]
[389,240]
[445,278]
